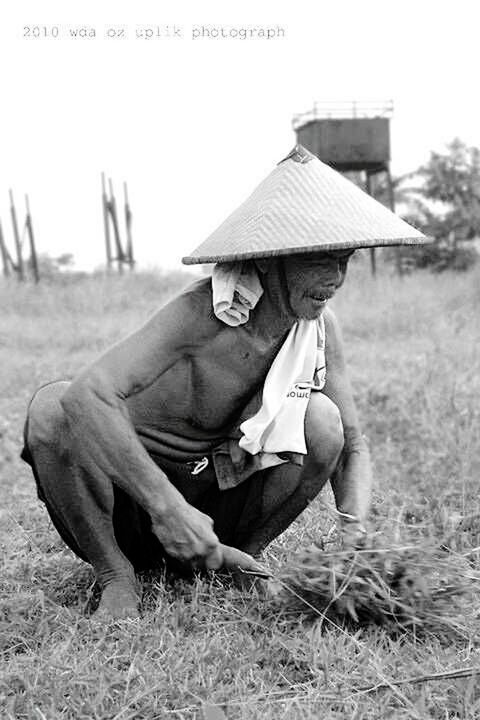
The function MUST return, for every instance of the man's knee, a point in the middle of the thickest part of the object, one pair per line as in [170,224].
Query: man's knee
[323,430]
[45,418]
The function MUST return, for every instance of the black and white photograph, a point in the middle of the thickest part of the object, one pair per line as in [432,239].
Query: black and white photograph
[239,360]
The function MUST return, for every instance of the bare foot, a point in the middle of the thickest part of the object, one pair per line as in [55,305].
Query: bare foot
[119,601]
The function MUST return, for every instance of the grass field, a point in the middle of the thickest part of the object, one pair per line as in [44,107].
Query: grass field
[202,648]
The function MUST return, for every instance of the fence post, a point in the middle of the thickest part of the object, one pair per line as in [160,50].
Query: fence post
[128,225]
[18,246]
[4,253]
[116,231]
[33,251]
[106,226]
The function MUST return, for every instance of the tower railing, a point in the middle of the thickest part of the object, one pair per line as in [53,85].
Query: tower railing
[341,109]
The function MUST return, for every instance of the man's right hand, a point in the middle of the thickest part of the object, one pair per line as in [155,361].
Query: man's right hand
[187,535]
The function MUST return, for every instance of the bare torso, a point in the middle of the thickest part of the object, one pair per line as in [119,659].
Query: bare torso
[191,405]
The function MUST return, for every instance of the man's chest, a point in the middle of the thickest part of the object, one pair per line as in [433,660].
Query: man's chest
[209,385]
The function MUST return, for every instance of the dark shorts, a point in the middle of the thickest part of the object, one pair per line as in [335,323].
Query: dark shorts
[234,511]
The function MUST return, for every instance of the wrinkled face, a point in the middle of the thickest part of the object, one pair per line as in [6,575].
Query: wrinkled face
[312,279]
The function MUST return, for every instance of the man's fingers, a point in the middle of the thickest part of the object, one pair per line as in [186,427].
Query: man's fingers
[234,559]
[214,560]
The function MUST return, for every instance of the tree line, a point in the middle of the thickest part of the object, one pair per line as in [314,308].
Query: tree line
[442,199]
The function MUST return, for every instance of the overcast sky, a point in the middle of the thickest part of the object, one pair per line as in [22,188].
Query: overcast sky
[193,124]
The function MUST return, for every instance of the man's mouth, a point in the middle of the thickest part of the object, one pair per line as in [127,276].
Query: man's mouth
[321,297]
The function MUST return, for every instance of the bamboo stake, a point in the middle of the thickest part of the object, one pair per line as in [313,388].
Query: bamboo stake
[116,232]
[4,253]
[31,237]
[18,247]
[106,225]
[128,225]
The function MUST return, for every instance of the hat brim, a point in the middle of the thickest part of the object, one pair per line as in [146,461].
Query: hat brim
[232,257]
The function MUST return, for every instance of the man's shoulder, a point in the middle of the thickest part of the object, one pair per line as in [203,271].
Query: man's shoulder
[189,313]
[194,297]
[197,289]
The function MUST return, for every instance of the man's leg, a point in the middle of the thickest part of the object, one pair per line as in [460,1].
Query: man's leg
[288,489]
[81,506]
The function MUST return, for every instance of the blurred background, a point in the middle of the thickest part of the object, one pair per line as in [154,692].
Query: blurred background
[192,105]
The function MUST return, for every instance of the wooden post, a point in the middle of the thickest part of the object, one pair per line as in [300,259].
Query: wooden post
[128,225]
[33,251]
[116,232]
[106,225]
[373,259]
[18,246]
[4,254]
[391,202]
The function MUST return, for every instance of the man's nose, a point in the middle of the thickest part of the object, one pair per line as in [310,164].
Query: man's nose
[335,272]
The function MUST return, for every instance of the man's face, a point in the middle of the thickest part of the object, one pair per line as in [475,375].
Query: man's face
[312,279]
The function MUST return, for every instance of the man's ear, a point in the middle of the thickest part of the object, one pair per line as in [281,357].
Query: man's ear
[263,264]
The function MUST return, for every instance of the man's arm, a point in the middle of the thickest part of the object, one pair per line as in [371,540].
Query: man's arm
[352,482]
[105,442]
[95,407]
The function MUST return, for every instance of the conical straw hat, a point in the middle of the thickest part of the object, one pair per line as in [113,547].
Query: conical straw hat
[304,206]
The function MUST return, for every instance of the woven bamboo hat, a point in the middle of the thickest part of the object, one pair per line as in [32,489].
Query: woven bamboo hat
[304,206]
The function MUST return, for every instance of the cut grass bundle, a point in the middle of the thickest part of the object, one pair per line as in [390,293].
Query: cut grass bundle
[407,587]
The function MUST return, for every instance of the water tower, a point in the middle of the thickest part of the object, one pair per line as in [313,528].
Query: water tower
[351,137]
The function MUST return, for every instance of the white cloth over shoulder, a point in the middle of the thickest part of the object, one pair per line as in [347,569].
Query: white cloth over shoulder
[298,368]
[236,290]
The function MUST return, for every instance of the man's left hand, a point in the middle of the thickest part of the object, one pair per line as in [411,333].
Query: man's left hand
[353,533]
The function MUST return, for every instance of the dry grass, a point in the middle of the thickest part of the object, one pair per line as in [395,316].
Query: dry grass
[202,648]
[417,588]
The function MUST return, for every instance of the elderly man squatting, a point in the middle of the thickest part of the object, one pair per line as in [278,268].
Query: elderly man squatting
[146,454]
